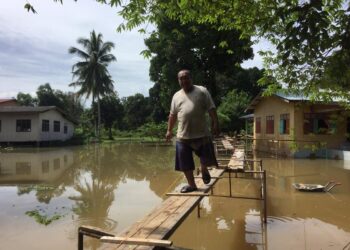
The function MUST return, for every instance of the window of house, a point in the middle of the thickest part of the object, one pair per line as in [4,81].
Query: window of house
[45,167]
[65,160]
[258,125]
[23,168]
[284,124]
[45,126]
[270,124]
[56,126]
[23,125]
[65,129]
[56,164]
[318,123]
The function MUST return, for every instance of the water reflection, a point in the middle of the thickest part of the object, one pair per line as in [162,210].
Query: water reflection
[28,166]
[107,186]
[296,220]
[111,186]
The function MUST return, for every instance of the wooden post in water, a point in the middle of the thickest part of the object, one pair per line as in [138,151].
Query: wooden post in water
[80,240]
[229,181]
[265,194]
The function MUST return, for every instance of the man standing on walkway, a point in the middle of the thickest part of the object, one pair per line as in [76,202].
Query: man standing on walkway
[189,107]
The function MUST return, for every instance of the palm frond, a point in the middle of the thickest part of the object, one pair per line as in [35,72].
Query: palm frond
[107,58]
[106,48]
[78,52]
[86,43]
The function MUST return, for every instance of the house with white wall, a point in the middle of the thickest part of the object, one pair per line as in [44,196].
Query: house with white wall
[34,124]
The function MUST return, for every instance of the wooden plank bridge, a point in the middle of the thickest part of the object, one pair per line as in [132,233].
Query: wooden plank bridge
[154,230]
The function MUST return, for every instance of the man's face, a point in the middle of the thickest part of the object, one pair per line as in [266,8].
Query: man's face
[184,80]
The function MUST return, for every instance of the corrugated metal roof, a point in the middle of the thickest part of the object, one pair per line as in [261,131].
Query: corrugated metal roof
[292,97]
[249,116]
[282,94]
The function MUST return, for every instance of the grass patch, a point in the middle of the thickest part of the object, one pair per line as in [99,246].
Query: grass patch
[42,219]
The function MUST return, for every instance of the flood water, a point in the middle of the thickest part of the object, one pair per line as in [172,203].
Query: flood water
[112,186]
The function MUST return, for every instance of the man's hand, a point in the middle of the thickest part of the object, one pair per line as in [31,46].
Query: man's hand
[214,122]
[171,123]
[215,129]
[169,135]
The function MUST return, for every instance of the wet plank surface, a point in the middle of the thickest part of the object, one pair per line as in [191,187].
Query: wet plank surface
[237,160]
[163,220]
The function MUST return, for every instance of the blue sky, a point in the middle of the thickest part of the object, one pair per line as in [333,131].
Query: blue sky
[34,47]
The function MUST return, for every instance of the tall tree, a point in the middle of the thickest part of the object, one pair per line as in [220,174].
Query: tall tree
[208,53]
[111,113]
[159,113]
[48,96]
[67,101]
[91,74]
[26,100]
[311,37]
[136,110]
[231,108]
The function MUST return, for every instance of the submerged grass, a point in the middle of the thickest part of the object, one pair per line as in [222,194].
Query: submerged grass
[42,219]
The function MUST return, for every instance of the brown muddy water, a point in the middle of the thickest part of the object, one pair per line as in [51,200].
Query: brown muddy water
[112,186]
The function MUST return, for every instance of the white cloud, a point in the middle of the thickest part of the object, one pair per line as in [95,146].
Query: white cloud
[34,47]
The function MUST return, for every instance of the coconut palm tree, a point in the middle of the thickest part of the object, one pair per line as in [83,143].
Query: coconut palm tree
[91,74]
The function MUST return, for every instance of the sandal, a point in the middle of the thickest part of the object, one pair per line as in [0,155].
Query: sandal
[188,189]
[206,177]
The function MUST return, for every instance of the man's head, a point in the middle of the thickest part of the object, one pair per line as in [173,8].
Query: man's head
[185,81]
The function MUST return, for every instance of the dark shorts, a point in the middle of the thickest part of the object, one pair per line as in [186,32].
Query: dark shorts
[202,147]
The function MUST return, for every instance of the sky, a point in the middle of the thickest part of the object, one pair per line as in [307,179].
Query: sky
[34,47]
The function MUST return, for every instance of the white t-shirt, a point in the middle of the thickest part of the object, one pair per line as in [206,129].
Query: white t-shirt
[191,109]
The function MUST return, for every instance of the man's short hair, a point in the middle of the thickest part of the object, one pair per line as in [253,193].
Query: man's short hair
[185,70]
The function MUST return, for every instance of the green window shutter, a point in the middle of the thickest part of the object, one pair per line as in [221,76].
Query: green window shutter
[281,128]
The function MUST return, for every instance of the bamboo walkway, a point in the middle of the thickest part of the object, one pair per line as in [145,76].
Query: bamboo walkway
[154,230]
[159,224]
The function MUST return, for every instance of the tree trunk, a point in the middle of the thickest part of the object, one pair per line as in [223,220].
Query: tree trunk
[94,116]
[99,118]
[110,133]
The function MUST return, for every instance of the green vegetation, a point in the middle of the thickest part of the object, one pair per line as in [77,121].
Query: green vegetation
[310,55]
[231,108]
[310,38]
[91,73]
[42,219]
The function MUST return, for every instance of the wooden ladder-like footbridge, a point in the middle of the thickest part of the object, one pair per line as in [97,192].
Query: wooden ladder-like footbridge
[154,230]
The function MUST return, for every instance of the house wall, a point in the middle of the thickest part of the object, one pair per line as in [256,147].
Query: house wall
[334,140]
[304,142]
[34,167]
[52,116]
[270,142]
[8,127]
[8,131]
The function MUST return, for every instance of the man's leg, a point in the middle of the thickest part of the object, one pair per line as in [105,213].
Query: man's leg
[190,178]
[207,157]
[204,169]
[184,162]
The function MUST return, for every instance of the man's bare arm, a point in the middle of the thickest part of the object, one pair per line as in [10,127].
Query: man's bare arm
[171,123]
[214,122]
